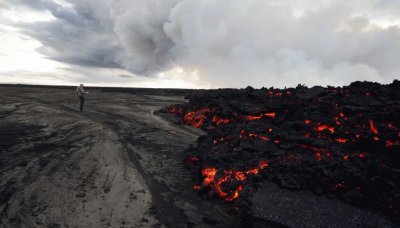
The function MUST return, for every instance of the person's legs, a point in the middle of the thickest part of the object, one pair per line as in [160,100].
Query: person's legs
[82,100]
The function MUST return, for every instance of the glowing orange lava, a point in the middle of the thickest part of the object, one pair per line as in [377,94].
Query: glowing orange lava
[252,171]
[240,176]
[208,174]
[372,127]
[246,134]
[218,121]
[263,164]
[253,117]
[325,127]
[390,143]
[236,194]
[270,114]
[257,117]
[317,151]
[196,118]
[337,121]
[341,140]
[318,156]
[228,175]
[175,110]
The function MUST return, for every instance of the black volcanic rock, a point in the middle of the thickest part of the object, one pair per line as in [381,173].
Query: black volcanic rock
[342,142]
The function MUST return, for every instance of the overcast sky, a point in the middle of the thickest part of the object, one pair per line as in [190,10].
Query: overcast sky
[199,43]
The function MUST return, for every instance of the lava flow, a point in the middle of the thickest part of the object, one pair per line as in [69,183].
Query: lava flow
[342,141]
[196,118]
[220,186]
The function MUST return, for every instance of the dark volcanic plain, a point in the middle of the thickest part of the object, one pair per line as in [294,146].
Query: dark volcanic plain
[118,164]
[114,165]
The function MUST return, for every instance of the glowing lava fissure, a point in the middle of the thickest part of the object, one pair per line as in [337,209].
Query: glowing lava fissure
[219,185]
[313,139]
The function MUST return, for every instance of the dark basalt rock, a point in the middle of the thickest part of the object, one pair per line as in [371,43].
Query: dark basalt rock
[333,142]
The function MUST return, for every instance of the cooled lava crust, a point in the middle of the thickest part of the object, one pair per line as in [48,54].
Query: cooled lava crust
[343,142]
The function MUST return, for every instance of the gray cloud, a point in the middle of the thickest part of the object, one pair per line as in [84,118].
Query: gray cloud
[228,42]
[125,76]
[33,4]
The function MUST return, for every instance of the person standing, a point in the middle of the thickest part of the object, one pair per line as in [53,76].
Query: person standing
[80,91]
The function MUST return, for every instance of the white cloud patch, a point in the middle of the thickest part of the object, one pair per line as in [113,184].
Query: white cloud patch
[224,43]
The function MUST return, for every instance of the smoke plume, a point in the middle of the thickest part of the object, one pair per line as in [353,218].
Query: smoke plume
[227,43]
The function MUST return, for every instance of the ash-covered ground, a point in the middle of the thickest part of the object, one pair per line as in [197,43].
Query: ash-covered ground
[300,157]
[114,165]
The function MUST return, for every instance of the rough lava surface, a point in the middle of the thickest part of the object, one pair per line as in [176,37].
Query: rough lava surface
[293,154]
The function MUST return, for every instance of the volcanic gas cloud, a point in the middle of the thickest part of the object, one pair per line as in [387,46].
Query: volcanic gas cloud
[342,141]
